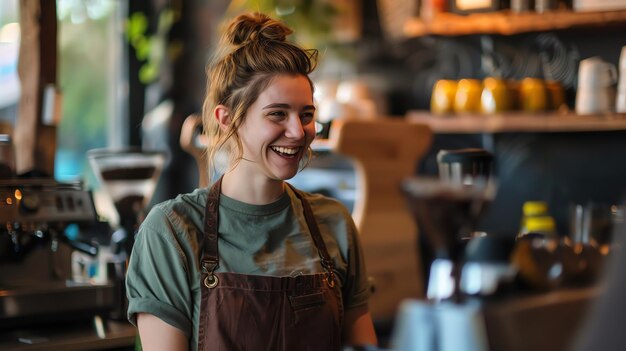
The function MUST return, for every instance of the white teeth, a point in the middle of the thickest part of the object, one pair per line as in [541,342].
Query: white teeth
[285,150]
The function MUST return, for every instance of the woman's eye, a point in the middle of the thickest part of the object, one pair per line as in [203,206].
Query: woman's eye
[277,114]
[307,117]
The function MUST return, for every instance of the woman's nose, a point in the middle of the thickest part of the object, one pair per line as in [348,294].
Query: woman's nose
[294,130]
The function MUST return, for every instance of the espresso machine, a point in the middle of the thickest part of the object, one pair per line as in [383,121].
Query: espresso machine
[48,298]
[62,269]
[36,247]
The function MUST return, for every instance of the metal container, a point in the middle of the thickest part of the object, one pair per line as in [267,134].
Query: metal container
[7,157]
[521,5]
[463,165]
[542,6]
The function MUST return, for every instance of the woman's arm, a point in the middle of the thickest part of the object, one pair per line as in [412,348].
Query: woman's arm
[155,334]
[358,328]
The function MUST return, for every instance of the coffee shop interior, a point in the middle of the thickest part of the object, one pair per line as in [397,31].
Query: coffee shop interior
[479,145]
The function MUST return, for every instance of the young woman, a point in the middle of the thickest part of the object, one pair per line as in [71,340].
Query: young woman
[252,263]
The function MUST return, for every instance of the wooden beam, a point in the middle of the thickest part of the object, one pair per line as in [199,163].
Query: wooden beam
[45,148]
[35,143]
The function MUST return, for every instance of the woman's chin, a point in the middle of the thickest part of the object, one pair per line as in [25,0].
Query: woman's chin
[284,169]
[285,175]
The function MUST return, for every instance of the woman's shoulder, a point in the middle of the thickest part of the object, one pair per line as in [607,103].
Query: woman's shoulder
[183,208]
[193,201]
[176,224]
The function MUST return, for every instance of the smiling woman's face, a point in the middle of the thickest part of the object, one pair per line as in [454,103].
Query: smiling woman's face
[278,128]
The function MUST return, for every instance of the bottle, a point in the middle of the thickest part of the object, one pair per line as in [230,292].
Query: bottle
[537,255]
[537,221]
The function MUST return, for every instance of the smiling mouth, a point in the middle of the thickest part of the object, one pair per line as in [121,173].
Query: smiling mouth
[285,151]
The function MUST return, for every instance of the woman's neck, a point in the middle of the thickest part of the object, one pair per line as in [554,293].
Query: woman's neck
[251,190]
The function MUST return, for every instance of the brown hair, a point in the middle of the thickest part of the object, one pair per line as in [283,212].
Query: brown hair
[252,52]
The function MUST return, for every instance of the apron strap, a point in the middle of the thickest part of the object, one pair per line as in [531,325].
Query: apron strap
[210,256]
[316,235]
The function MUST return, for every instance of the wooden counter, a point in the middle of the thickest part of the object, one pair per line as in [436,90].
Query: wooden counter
[110,335]
[519,122]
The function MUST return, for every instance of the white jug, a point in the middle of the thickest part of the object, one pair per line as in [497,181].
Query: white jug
[596,73]
[596,86]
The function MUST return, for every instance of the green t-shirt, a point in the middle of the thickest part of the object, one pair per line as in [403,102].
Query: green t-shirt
[163,275]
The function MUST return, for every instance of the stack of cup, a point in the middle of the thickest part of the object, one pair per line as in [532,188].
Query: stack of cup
[620,105]
[596,87]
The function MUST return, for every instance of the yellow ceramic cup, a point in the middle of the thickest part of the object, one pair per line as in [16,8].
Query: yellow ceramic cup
[514,94]
[533,96]
[556,94]
[495,96]
[467,97]
[442,99]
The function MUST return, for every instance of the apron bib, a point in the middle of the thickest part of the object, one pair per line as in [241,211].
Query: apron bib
[254,312]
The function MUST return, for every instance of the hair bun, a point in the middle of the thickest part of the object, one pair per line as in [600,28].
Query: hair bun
[256,27]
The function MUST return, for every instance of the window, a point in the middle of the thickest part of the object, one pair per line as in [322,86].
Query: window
[91,81]
[9,48]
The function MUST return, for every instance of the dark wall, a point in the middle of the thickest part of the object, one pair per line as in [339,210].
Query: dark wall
[563,169]
[560,168]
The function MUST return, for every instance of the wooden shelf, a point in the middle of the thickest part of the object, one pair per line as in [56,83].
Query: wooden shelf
[509,23]
[519,122]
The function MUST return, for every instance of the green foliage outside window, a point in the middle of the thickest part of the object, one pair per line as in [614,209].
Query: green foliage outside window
[86,79]
[149,48]
[312,20]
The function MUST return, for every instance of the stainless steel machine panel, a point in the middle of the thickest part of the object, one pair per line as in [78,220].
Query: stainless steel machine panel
[38,202]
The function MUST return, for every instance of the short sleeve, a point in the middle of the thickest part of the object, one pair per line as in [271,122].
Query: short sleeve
[357,287]
[157,280]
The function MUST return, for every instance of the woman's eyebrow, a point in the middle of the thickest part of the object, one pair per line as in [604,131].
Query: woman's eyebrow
[282,105]
[277,105]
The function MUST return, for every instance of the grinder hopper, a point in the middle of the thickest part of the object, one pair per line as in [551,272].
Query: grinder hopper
[129,177]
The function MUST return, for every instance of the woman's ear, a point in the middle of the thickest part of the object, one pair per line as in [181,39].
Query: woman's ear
[222,115]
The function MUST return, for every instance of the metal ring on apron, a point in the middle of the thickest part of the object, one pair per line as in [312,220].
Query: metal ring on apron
[330,280]
[329,266]
[211,281]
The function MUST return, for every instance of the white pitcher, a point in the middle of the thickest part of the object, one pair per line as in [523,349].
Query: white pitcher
[596,86]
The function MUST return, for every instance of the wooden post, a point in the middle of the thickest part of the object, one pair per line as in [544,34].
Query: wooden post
[46,146]
[35,143]
[385,152]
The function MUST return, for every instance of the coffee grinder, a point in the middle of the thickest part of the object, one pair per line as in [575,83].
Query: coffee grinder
[446,213]
[129,178]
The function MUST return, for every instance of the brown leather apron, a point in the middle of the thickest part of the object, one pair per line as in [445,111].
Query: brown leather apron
[254,312]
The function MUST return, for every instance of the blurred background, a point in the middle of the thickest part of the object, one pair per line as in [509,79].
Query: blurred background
[128,73]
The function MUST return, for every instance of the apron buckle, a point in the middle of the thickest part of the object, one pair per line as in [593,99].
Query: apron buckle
[211,279]
[329,266]
[330,279]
